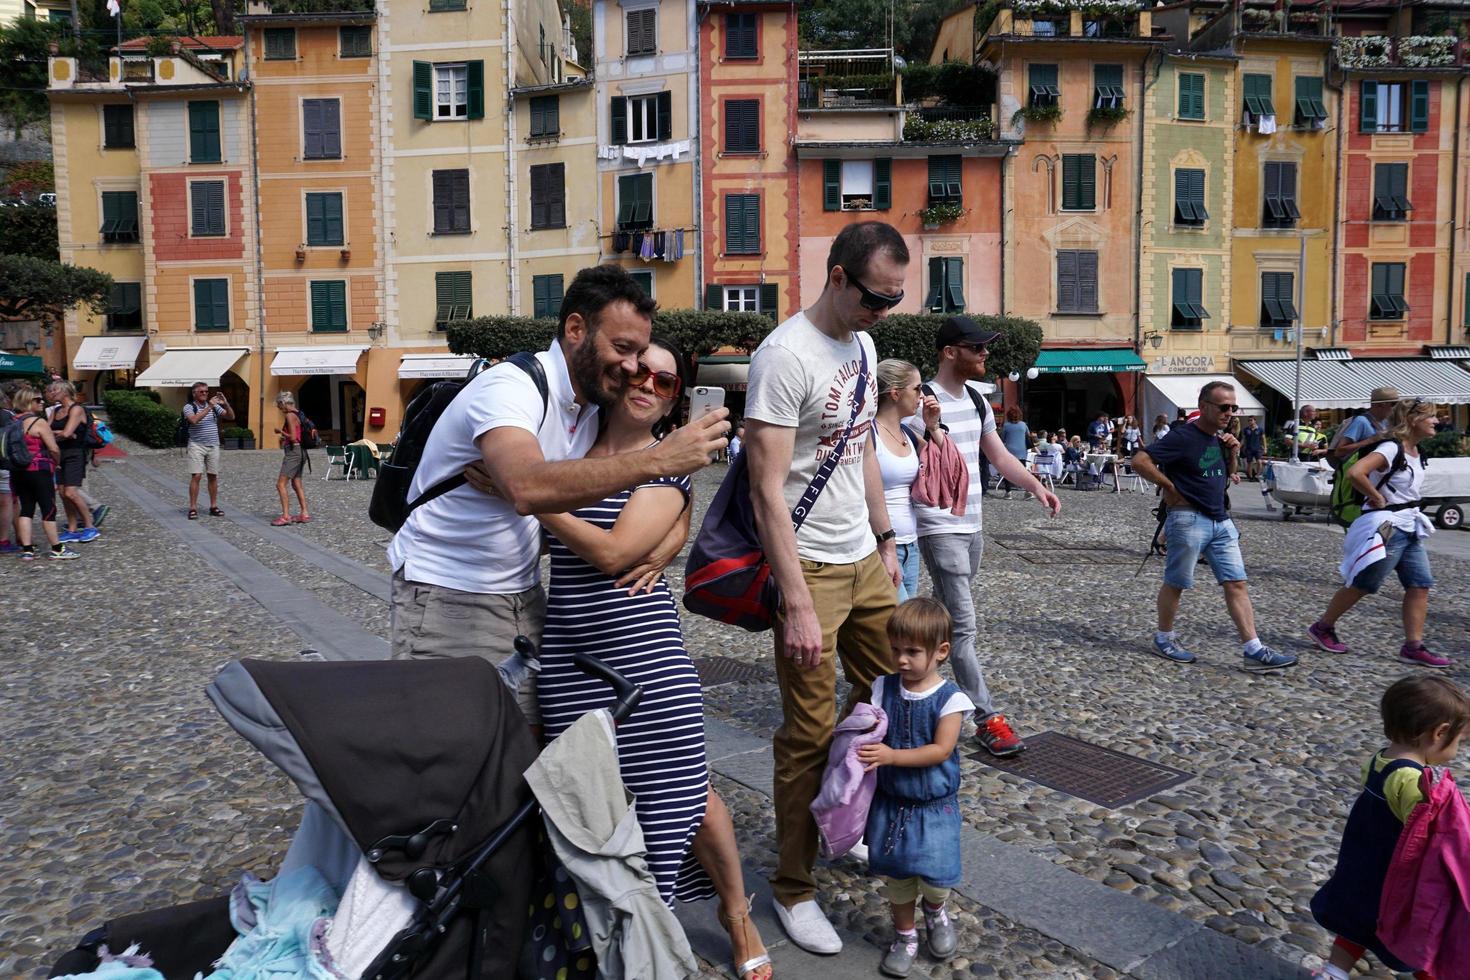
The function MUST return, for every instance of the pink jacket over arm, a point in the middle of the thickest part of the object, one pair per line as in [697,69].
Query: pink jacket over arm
[1424,913]
[841,808]
[944,479]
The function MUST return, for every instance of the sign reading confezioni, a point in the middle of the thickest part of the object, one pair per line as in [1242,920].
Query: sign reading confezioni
[1183,364]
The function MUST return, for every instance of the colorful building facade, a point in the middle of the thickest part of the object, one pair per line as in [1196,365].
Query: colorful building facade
[865,154]
[648,149]
[1185,265]
[314,100]
[750,198]
[155,154]
[1070,87]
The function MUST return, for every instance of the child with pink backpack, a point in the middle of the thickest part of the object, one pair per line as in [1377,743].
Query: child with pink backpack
[1389,847]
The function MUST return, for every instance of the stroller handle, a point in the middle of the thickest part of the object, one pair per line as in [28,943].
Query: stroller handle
[628,693]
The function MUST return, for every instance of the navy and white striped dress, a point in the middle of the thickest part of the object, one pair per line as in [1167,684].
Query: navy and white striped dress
[661,745]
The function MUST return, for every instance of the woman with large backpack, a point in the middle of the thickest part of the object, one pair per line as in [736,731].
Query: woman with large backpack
[293,461]
[1389,533]
[36,484]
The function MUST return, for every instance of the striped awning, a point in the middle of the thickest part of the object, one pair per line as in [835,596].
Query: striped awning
[1448,353]
[1348,384]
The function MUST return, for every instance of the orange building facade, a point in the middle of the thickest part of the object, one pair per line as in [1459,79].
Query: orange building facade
[750,209]
[314,99]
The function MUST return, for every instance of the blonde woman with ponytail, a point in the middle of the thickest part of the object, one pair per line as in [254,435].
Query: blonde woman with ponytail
[899,397]
[1389,534]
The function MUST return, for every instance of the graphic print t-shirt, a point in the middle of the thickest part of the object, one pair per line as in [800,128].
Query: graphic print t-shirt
[800,378]
[1197,464]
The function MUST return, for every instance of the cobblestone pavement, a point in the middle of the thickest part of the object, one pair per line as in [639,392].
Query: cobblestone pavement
[128,792]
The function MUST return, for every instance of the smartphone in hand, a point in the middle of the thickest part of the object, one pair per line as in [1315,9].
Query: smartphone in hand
[704,399]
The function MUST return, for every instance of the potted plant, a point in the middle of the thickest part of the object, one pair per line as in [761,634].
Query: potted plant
[1048,113]
[939,214]
[237,437]
[1105,116]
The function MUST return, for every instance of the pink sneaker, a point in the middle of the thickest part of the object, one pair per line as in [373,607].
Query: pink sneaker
[1326,638]
[1418,653]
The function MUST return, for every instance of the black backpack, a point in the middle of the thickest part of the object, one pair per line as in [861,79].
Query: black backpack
[181,431]
[307,438]
[390,505]
[14,455]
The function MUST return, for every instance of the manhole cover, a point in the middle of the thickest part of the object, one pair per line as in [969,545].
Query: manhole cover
[1087,771]
[728,670]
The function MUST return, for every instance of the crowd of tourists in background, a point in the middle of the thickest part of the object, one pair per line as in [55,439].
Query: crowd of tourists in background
[49,437]
[850,472]
[858,470]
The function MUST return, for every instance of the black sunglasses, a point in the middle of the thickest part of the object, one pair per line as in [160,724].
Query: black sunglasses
[877,302]
[979,350]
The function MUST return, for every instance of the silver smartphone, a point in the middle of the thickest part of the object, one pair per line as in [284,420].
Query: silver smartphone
[704,399]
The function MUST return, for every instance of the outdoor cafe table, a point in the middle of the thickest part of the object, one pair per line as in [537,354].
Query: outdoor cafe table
[1100,463]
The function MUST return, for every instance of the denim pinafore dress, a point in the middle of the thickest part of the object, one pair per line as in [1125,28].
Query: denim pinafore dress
[1348,904]
[914,823]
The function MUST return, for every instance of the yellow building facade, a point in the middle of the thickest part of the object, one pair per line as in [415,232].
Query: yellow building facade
[647,147]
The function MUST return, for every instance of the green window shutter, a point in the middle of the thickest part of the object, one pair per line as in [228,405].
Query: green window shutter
[207,207]
[1309,105]
[954,285]
[753,222]
[1067,281]
[453,294]
[619,117]
[714,297]
[937,172]
[742,224]
[1183,206]
[1180,315]
[934,299]
[332,219]
[1191,95]
[475,89]
[546,296]
[355,41]
[316,233]
[831,185]
[882,183]
[643,188]
[1079,182]
[321,308]
[212,304]
[1087,281]
[204,143]
[423,90]
[770,298]
[665,113]
[280,43]
[1197,193]
[1107,85]
[329,306]
[1368,107]
[1419,106]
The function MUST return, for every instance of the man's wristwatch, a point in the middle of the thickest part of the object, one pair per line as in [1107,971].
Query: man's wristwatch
[887,535]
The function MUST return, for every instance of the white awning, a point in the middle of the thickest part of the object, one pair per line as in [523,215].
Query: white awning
[1171,392]
[1348,384]
[316,360]
[435,365]
[182,366]
[728,371]
[108,353]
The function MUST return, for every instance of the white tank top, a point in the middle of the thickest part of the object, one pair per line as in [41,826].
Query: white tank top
[899,474]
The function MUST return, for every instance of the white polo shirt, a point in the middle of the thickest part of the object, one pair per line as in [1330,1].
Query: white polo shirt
[468,540]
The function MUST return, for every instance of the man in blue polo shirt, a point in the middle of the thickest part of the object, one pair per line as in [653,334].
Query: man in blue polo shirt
[1192,465]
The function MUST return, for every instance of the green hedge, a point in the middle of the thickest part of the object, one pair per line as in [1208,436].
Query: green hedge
[701,332]
[951,82]
[1445,444]
[911,337]
[697,332]
[138,415]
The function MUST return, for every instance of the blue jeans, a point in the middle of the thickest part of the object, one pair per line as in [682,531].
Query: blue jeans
[908,564]
[1189,534]
[954,561]
[1404,553]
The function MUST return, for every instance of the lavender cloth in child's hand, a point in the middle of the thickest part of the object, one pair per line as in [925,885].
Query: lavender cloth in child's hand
[841,808]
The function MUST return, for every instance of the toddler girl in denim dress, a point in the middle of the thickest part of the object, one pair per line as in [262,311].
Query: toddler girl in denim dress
[913,830]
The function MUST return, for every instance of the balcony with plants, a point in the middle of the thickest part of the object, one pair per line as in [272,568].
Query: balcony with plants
[1099,20]
[951,102]
[1311,18]
[1419,51]
[862,78]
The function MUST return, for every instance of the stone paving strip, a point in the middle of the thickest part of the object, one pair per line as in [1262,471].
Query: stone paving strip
[319,625]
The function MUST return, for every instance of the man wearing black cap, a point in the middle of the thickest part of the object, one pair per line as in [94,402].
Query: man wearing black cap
[952,545]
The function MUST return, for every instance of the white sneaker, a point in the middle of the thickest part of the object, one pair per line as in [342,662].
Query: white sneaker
[808,927]
[859,851]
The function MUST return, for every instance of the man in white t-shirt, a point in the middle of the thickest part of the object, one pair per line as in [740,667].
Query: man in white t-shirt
[466,573]
[952,546]
[838,575]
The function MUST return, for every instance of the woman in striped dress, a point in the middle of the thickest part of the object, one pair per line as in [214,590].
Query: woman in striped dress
[686,827]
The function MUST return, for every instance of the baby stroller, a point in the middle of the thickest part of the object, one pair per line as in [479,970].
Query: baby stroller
[416,813]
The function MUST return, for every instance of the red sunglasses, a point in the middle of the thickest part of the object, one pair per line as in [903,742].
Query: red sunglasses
[666,384]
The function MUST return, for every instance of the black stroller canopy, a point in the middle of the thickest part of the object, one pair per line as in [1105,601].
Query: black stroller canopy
[418,761]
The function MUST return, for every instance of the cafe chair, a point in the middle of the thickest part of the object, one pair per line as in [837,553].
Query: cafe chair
[338,461]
